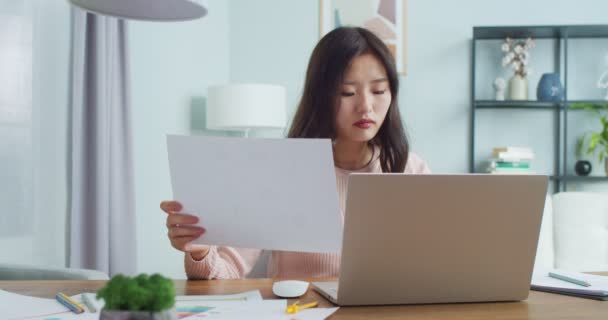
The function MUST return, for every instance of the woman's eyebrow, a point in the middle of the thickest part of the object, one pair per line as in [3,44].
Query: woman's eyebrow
[373,81]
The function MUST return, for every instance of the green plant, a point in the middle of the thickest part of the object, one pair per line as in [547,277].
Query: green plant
[142,293]
[595,141]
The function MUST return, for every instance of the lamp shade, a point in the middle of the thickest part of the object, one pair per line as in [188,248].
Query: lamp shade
[246,106]
[153,10]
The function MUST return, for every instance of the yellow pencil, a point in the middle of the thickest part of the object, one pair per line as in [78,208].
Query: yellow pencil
[296,307]
[72,301]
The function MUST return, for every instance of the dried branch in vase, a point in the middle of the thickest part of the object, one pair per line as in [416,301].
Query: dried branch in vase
[517,55]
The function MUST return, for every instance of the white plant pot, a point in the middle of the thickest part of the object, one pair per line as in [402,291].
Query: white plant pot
[518,88]
[170,314]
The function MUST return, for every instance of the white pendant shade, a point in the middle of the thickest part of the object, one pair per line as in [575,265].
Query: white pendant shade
[152,10]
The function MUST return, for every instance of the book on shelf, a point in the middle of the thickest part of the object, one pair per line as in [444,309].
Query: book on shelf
[512,149]
[511,171]
[513,153]
[514,156]
[499,163]
[511,160]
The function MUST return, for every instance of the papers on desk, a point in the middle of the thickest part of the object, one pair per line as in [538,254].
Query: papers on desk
[252,310]
[247,305]
[19,307]
[598,289]
[275,194]
[253,295]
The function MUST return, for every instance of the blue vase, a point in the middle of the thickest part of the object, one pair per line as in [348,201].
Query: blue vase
[550,88]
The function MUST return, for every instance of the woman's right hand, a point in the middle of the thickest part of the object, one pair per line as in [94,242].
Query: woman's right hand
[182,231]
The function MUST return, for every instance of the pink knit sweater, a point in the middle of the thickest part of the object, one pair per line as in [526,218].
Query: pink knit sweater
[231,263]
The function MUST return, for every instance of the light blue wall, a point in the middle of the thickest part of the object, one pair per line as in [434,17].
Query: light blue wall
[271,40]
[171,66]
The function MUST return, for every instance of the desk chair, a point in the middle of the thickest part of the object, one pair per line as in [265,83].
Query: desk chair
[28,272]
[260,270]
[545,255]
[580,225]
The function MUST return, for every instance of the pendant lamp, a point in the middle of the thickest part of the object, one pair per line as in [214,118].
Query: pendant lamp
[151,10]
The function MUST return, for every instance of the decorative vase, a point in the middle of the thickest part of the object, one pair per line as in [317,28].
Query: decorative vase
[170,314]
[500,95]
[550,88]
[518,88]
[583,168]
[499,87]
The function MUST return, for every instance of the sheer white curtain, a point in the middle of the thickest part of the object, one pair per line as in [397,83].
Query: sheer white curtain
[102,213]
[34,70]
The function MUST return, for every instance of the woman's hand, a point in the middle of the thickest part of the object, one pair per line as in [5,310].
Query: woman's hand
[181,230]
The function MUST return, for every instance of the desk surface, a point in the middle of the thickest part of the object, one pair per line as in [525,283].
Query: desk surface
[539,306]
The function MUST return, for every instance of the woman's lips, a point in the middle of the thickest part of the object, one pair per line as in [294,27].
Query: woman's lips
[364,124]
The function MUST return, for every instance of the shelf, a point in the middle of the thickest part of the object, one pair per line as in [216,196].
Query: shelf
[540,32]
[569,177]
[519,104]
[533,104]
[581,178]
[593,102]
[535,32]
[558,112]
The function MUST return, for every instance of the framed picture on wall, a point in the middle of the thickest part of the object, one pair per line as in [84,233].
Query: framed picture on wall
[386,18]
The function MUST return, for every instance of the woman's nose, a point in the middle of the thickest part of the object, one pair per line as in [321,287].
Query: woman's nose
[364,104]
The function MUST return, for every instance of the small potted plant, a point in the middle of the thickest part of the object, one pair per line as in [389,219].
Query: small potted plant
[595,142]
[140,298]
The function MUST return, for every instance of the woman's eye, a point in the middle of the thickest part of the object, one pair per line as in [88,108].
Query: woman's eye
[380,91]
[348,94]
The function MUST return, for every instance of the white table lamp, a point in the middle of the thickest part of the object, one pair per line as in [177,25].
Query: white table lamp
[246,106]
[151,10]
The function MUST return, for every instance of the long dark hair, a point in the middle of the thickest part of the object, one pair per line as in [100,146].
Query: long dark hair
[315,116]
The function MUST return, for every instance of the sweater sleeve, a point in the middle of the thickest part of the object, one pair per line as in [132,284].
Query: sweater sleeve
[222,263]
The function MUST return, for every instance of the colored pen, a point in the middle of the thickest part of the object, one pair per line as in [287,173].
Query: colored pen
[569,279]
[69,303]
[295,307]
[88,303]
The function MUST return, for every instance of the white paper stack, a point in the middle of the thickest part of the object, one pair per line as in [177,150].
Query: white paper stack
[598,289]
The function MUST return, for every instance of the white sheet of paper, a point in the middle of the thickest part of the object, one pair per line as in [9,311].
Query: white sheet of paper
[599,284]
[219,310]
[253,310]
[276,194]
[15,306]
[253,295]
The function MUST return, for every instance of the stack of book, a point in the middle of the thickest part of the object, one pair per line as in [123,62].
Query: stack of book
[511,160]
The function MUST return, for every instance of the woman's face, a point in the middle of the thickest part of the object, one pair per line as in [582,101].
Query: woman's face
[364,99]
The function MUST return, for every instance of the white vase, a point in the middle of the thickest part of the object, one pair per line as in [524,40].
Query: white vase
[518,88]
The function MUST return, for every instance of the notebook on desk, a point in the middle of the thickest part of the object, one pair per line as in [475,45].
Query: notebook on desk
[597,290]
[412,239]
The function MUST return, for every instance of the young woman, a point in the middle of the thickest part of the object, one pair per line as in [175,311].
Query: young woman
[350,96]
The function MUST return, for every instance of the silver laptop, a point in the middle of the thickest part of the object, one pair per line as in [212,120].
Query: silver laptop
[412,239]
